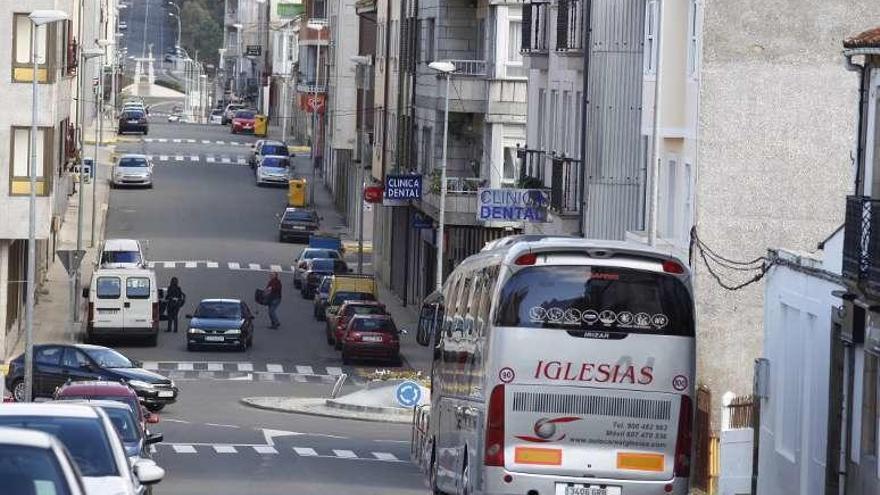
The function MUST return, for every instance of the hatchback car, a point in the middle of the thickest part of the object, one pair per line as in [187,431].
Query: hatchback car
[229,112]
[90,437]
[216,117]
[104,390]
[243,122]
[132,170]
[319,304]
[133,120]
[56,364]
[307,254]
[221,322]
[317,269]
[273,170]
[298,224]
[347,311]
[33,462]
[266,147]
[371,337]
[335,302]
[135,440]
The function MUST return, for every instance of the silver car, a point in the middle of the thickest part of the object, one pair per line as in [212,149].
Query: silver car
[31,458]
[132,170]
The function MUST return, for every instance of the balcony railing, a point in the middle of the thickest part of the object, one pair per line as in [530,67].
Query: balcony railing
[861,243]
[534,27]
[531,167]
[569,25]
[469,67]
[565,187]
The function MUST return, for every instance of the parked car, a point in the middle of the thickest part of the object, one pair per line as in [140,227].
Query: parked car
[316,269]
[31,458]
[243,122]
[347,311]
[135,440]
[298,224]
[319,304]
[266,147]
[371,337]
[221,322]
[90,437]
[349,287]
[132,170]
[336,300]
[107,390]
[121,253]
[307,254]
[55,364]
[229,113]
[217,116]
[133,120]
[273,170]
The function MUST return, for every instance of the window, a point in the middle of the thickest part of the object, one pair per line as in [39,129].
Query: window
[49,355]
[509,174]
[694,33]
[427,147]
[22,61]
[75,359]
[651,37]
[427,40]
[137,287]
[19,181]
[31,469]
[869,405]
[566,127]
[671,200]
[108,288]
[514,56]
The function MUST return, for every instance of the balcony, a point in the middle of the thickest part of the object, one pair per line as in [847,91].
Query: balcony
[565,185]
[534,28]
[461,199]
[861,243]
[569,26]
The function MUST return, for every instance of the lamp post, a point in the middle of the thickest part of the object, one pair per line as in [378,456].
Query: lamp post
[364,62]
[317,27]
[99,137]
[38,18]
[178,22]
[445,68]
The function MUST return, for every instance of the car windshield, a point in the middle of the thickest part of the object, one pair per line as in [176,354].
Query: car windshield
[130,401]
[120,257]
[124,422]
[216,113]
[326,265]
[31,470]
[382,325]
[299,216]
[276,162]
[343,296]
[221,310]
[133,115]
[84,438]
[244,114]
[364,309]
[320,253]
[108,358]
[273,149]
[133,162]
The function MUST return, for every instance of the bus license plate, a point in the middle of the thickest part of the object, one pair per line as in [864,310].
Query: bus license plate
[566,489]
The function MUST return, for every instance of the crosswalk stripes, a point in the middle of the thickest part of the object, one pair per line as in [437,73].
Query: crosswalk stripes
[226,450]
[347,454]
[241,367]
[231,265]
[194,141]
[384,456]
[305,451]
[184,449]
[265,449]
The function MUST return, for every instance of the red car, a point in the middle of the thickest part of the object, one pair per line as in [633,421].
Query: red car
[105,390]
[244,121]
[346,311]
[371,337]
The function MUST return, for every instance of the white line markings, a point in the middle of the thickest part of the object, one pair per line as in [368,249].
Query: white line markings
[221,425]
[242,161]
[225,159]
[162,140]
[177,140]
[194,158]
[150,365]
[213,264]
[219,142]
[210,159]
[163,158]
[265,449]
[234,266]
[184,449]
[333,370]
[205,141]
[185,366]
[178,158]
[215,366]
[254,266]
[190,264]
[345,454]
[225,449]
[231,143]
[305,370]
[275,368]
[275,268]
[245,367]
[305,451]
[384,456]
[169,264]
[190,140]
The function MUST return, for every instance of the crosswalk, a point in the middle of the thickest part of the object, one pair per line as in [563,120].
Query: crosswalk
[193,158]
[247,371]
[231,265]
[223,450]
[195,141]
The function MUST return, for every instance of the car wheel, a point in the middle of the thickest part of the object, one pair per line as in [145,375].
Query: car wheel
[18,390]
[190,347]
[154,408]
[152,340]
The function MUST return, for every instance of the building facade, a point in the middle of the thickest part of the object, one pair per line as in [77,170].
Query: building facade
[245,41]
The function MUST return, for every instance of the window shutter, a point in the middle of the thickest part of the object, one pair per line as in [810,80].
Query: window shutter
[562,25]
[526,38]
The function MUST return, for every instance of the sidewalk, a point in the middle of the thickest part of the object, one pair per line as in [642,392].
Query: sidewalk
[51,318]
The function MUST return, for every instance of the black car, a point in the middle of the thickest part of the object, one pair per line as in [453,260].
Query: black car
[298,224]
[221,322]
[55,364]
[316,269]
[133,120]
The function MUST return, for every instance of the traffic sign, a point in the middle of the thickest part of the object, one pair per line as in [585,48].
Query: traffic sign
[70,258]
[408,394]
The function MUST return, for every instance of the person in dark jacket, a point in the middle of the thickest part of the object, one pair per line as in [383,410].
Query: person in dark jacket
[174,300]
[273,299]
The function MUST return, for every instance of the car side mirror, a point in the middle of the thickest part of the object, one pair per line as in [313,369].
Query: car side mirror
[154,438]
[152,418]
[148,472]
[85,292]
[404,331]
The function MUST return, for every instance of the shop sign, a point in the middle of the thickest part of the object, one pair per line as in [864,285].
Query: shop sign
[253,50]
[401,189]
[290,10]
[422,221]
[513,205]
[373,194]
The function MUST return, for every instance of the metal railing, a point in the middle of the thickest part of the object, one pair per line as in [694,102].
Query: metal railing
[565,187]
[569,25]
[532,164]
[861,242]
[469,67]
[534,27]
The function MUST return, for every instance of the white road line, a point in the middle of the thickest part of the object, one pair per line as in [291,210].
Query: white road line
[205,141]
[190,264]
[234,266]
[333,370]
[275,368]
[150,365]
[305,370]
[149,157]
[184,366]
[162,140]
[169,264]
[194,158]
[219,142]
[210,159]
[190,140]
[221,425]
[345,454]
[275,268]
[384,456]
[178,158]
[177,140]
[305,451]
[265,449]
[163,158]
[245,367]
[184,449]
[233,143]
[215,366]
[300,379]
[242,161]
[148,140]
[225,159]
[225,449]
[254,266]
[213,264]
[151,264]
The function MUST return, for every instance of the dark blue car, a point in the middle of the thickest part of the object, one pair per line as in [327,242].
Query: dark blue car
[222,323]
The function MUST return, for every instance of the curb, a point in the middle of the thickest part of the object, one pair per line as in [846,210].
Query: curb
[402,419]
[394,411]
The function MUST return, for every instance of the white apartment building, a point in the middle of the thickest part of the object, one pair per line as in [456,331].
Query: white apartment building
[245,25]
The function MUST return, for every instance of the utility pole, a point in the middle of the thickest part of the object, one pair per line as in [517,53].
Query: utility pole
[445,68]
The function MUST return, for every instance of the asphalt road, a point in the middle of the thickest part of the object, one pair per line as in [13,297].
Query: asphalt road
[208,224]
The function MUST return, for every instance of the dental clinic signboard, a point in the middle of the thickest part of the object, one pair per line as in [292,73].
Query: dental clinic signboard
[513,205]
[401,189]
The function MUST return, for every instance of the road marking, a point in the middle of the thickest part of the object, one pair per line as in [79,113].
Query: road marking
[178,158]
[225,449]
[254,266]
[245,367]
[148,140]
[185,366]
[162,140]
[205,141]
[194,158]
[242,161]
[210,159]
[213,264]
[300,379]
[149,157]
[305,451]
[225,159]
[275,268]
[333,370]
[265,449]
[305,370]
[275,368]
[234,266]
[215,366]
[184,449]
[219,142]
[163,158]
[169,264]
[233,143]
[150,365]
[190,140]
[345,454]
[384,456]
[190,264]
[171,420]
[221,425]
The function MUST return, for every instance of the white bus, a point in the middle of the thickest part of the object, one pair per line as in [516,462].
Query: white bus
[562,366]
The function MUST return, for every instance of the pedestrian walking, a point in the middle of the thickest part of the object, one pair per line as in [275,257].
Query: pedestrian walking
[174,300]
[273,299]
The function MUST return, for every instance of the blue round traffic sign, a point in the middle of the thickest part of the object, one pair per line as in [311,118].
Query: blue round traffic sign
[408,394]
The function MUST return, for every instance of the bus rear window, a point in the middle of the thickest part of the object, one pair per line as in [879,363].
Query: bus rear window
[584,298]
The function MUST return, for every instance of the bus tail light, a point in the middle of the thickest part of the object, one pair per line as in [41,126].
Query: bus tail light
[670,266]
[683,442]
[527,259]
[494,455]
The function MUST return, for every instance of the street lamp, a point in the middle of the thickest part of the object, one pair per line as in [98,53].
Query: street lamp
[317,27]
[362,61]
[38,18]
[176,16]
[445,68]
[99,137]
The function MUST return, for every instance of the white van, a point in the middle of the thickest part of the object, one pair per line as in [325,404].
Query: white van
[121,253]
[123,303]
